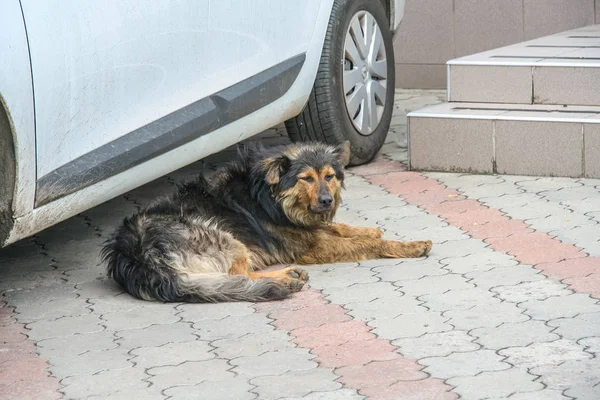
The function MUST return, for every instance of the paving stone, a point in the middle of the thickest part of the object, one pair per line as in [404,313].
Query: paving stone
[536,209]
[482,261]
[90,363]
[494,384]
[433,285]
[463,364]
[252,344]
[99,289]
[78,276]
[232,327]
[511,201]
[341,276]
[458,248]
[149,393]
[362,292]
[570,374]
[558,223]
[410,325]
[119,304]
[295,384]
[460,299]
[354,353]
[201,312]
[550,353]
[584,392]
[380,373]
[63,327]
[383,203]
[583,325]
[332,334]
[591,344]
[436,344]
[233,388]
[76,344]
[104,383]
[544,394]
[503,276]
[40,295]
[273,363]
[342,394]
[156,335]
[492,189]
[560,307]
[538,290]
[69,307]
[437,234]
[514,334]
[160,314]
[424,389]
[489,315]
[17,283]
[413,223]
[190,373]
[546,184]
[171,354]
[396,213]
[384,308]
[410,270]
[311,316]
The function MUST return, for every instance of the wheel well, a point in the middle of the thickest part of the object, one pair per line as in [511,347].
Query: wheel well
[386,6]
[7,174]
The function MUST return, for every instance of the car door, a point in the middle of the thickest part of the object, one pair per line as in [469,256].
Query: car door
[103,69]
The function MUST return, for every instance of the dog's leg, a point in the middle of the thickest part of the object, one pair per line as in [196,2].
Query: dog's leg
[332,249]
[292,277]
[348,231]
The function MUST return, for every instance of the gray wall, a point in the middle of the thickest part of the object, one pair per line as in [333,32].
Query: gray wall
[435,31]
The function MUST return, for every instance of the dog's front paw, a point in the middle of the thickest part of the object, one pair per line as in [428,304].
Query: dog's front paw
[412,249]
[296,278]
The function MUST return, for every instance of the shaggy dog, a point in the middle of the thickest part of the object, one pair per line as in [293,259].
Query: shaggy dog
[211,239]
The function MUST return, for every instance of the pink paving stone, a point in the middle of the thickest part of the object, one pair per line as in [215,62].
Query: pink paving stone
[378,167]
[588,284]
[426,389]
[449,207]
[304,298]
[381,373]
[411,186]
[535,248]
[430,198]
[477,216]
[396,177]
[354,353]
[498,229]
[311,316]
[572,268]
[332,334]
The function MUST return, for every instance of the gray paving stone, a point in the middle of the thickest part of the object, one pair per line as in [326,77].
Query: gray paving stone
[494,384]
[39,295]
[340,276]
[492,189]
[384,308]
[76,344]
[119,304]
[99,289]
[230,389]
[69,307]
[104,383]
[503,276]
[550,353]
[90,363]
[411,270]
[560,307]
[362,292]
[414,223]
[487,315]
[538,290]
[458,248]
[295,384]
[78,276]
[149,393]
[546,184]
[274,363]
[232,327]
[409,325]
[171,354]
[511,201]
[436,344]
[458,299]
[463,364]
[252,344]
[433,285]
[583,325]
[584,392]
[564,221]
[514,334]
[156,335]
[437,234]
[481,261]
[544,394]
[570,374]
[591,344]
[342,394]
[190,373]
[31,280]
[537,209]
[390,214]
[160,314]
[63,327]
[383,203]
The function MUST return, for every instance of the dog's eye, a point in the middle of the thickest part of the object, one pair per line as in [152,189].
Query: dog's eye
[329,177]
[308,179]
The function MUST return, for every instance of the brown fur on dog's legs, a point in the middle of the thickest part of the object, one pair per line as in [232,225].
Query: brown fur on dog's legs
[292,277]
[348,231]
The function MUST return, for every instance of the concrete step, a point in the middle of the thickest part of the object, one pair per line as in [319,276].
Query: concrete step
[559,69]
[511,139]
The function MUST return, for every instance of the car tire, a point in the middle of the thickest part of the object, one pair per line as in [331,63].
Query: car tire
[347,101]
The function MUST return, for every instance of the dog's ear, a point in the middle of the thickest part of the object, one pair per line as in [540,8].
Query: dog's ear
[274,168]
[343,153]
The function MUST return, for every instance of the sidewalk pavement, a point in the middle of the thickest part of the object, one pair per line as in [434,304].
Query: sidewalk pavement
[506,305]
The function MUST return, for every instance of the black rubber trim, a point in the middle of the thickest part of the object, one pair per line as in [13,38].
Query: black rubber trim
[171,131]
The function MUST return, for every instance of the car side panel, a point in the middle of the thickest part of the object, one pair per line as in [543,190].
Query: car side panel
[17,98]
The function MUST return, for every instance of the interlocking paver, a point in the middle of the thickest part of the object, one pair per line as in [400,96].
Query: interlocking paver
[549,353]
[63,327]
[156,335]
[584,392]
[410,325]
[544,394]
[76,344]
[190,373]
[560,307]
[583,325]
[571,373]
[236,388]
[171,354]
[252,344]
[342,394]
[458,299]
[464,364]
[495,383]
[591,344]
[295,383]
[485,315]
[514,334]
[537,290]
[482,261]
[502,276]
[362,292]
[436,344]
[411,270]
[90,363]
[104,383]
[232,327]
[384,308]
[273,363]
[54,309]
[159,314]
[433,284]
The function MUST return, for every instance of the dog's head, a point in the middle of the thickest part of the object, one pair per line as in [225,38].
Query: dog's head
[306,180]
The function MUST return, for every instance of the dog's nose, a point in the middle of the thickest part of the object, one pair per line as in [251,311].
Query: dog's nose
[325,200]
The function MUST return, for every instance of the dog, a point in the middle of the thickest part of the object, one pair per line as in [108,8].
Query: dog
[210,240]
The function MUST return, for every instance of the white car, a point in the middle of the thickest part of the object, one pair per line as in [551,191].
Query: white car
[99,97]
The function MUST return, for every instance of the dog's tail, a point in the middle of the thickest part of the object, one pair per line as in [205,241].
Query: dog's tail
[155,273]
